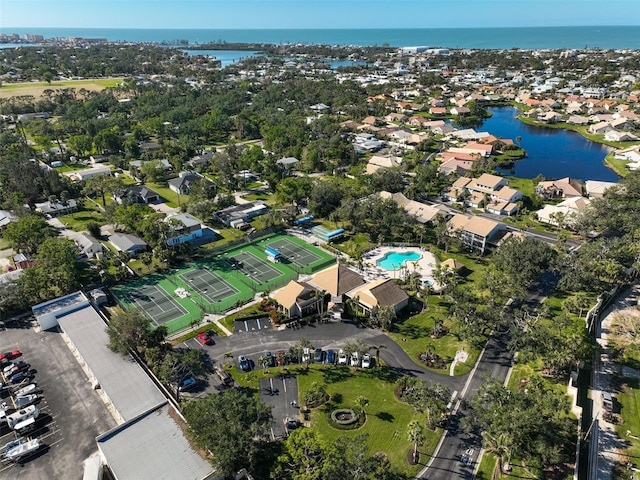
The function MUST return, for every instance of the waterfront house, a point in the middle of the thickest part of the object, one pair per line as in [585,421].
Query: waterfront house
[600,128]
[564,187]
[597,188]
[617,136]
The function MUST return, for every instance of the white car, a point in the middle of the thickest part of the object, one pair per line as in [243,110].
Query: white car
[306,355]
[366,361]
[342,358]
[355,359]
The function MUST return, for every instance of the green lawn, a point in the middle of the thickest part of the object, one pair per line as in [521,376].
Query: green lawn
[170,197]
[387,418]
[77,221]
[413,335]
[628,396]
[4,243]
[618,165]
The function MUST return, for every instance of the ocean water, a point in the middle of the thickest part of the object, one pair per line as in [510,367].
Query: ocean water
[525,38]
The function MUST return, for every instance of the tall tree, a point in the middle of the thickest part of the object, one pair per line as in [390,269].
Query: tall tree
[233,426]
[28,233]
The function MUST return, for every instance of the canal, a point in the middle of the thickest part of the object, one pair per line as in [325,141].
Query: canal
[552,152]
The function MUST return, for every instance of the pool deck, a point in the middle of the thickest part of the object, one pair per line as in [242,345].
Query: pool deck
[425,265]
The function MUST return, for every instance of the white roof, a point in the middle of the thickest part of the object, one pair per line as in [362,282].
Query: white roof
[152,447]
[123,381]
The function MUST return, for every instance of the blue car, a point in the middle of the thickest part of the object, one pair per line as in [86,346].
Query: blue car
[187,384]
[245,366]
[18,377]
[330,357]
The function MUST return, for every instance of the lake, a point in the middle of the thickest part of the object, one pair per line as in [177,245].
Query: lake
[229,57]
[552,152]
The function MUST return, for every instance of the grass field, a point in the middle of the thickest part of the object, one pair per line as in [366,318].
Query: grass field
[387,418]
[8,90]
[628,396]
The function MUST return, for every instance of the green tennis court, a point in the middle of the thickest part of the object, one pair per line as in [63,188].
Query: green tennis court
[256,269]
[208,285]
[293,252]
[156,304]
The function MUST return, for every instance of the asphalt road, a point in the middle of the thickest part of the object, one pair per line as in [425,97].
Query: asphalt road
[328,335]
[457,455]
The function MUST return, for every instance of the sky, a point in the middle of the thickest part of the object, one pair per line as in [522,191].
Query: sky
[304,14]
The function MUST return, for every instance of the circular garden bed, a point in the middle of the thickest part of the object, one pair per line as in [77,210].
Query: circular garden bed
[346,419]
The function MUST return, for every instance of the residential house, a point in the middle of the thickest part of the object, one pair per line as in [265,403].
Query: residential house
[86,174]
[455,166]
[88,246]
[502,207]
[98,158]
[617,136]
[565,212]
[438,111]
[127,243]
[298,299]
[182,185]
[5,219]
[201,159]
[183,227]
[240,213]
[136,194]
[22,261]
[421,212]
[564,187]
[596,188]
[380,293]
[476,232]
[578,120]
[287,163]
[600,128]
[367,143]
[396,117]
[56,208]
[549,117]
[150,147]
[461,111]
[377,162]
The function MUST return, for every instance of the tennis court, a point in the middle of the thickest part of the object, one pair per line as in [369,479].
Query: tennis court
[208,285]
[293,252]
[156,304]
[254,268]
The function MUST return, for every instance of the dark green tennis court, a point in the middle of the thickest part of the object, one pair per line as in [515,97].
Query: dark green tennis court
[208,285]
[256,269]
[293,252]
[156,304]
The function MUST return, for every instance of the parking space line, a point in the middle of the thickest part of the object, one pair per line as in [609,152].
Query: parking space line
[258,323]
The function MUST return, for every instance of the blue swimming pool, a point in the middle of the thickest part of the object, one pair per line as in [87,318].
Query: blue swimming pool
[395,260]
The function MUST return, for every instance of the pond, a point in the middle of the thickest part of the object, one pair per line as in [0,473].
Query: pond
[552,152]
[226,57]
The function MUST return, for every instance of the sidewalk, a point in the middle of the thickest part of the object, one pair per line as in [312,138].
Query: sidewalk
[609,444]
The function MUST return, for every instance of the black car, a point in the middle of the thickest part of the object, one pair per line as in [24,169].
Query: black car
[319,357]
[18,377]
[269,359]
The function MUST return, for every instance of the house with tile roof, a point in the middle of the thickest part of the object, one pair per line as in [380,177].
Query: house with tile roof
[564,187]
[476,232]
[298,299]
[383,292]
[337,280]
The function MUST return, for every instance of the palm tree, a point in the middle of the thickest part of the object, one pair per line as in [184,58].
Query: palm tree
[415,434]
[500,446]
[264,361]
[377,349]
[362,402]
[228,356]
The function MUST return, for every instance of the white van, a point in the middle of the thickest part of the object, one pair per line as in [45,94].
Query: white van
[21,415]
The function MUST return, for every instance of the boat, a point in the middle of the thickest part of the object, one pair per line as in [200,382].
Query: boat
[11,445]
[24,449]
[25,400]
[31,388]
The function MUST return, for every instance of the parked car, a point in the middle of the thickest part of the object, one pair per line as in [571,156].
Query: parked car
[355,359]
[19,377]
[291,423]
[366,361]
[10,355]
[331,358]
[31,388]
[245,365]
[17,368]
[319,356]
[206,338]
[306,355]
[342,358]
[269,360]
[13,365]
[187,384]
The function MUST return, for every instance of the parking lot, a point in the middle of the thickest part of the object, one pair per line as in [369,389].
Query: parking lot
[252,325]
[71,413]
[282,394]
